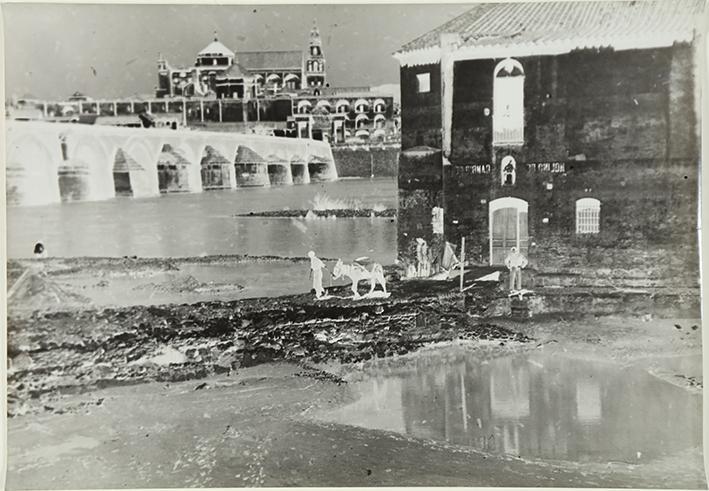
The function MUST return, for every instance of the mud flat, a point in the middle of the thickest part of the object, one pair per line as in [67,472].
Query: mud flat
[80,349]
[327,213]
[232,393]
[83,283]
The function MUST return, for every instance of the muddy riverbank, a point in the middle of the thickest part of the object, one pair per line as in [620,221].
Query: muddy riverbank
[58,352]
[262,426]
[232,392]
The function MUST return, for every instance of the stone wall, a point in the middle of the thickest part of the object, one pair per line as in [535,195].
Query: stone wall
[420,112]
[420,189]
[366,161]
[615,126]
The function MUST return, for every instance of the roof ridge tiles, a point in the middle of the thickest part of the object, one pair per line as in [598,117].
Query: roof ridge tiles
[524,23]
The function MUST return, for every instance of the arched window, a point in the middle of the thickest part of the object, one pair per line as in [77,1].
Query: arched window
[509,170]
[324,105]
[342,106]
[361,121]
[304,107]
[361,105]
[274,79]
[588,214]
[508,103]
[379,106]
[291,80]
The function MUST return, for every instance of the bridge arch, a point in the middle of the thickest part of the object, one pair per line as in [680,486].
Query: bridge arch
[217,170]
[31,172]
[92,156]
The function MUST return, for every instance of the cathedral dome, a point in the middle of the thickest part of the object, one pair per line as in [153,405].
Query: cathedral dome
[216,48]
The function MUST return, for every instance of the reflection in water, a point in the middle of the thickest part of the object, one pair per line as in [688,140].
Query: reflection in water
[536,406]
[179,225]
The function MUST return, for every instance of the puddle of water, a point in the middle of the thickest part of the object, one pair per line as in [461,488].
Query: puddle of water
[532,406]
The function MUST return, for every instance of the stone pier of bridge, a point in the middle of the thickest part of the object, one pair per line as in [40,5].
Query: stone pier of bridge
[53,162]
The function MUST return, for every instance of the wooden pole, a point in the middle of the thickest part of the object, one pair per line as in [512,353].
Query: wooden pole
[462,261]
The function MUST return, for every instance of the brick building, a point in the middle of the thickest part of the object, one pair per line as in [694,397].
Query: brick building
[568,129]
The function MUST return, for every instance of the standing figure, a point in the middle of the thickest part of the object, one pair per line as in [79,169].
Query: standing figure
[316,267]
[515,262]
[423,260]
[39,250]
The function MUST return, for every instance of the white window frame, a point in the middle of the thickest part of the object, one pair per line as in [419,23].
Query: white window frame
[304,107]
[506,160]
[508,103]
[588,216]
[423,82]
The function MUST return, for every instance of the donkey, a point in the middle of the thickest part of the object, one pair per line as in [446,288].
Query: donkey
[357,272]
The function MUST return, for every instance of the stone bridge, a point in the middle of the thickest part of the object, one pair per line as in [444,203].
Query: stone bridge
[53,162]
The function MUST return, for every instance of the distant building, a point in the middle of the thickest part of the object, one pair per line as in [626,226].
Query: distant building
[282,92]
[341,115]
[221,73]
[567,129]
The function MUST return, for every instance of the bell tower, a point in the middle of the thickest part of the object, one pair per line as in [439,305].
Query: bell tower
[164,88]
[315,62]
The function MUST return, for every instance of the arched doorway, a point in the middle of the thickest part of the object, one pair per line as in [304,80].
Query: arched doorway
[508,228]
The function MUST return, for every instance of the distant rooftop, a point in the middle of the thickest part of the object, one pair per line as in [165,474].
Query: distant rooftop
[236,70]
[263,60]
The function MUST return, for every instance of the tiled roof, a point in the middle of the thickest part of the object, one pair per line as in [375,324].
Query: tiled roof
[234,71]
[576,24]
[266,60]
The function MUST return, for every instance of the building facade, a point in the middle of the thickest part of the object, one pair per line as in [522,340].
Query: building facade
[270,92]
[342,116]
[220,72]
[567,129]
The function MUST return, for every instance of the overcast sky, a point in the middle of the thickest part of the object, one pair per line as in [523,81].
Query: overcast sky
[53,50]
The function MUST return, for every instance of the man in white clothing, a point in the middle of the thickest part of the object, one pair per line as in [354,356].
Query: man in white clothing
[515,262]
[316,267]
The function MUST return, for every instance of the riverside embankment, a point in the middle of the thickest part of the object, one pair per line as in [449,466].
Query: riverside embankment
[138,379]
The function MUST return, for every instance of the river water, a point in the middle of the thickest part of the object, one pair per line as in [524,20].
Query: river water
[180,225]
[536,405]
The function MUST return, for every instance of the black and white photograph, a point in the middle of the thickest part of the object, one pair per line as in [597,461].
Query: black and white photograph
[353,244]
